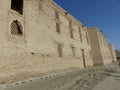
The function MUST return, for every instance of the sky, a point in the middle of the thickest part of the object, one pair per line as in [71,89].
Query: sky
[104,14]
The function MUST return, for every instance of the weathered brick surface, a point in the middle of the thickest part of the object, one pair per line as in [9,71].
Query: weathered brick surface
[100,48]
[36,50]
[113,54]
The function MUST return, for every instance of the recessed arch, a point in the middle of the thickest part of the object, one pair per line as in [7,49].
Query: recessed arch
[16,28]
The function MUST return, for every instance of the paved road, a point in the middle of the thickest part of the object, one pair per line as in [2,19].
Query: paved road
[42,84]
[81,80]
[112,82]
[63,82]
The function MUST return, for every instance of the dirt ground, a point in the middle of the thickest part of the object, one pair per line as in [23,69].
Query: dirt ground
[96,78]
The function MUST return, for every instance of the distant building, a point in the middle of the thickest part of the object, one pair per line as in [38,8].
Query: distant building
[101,54]
[117,54]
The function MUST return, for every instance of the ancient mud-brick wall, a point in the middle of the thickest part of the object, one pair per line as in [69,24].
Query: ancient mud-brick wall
[40,36]
[100,48]
[113,54]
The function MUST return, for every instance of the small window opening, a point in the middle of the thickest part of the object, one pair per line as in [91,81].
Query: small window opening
[56,14]
[16,28]
[58,27]
[80,34]
[70,23]
[83,56]
[71,30]
[17,5]
[60,50]
[71,33]
[73,51]
[87,38]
